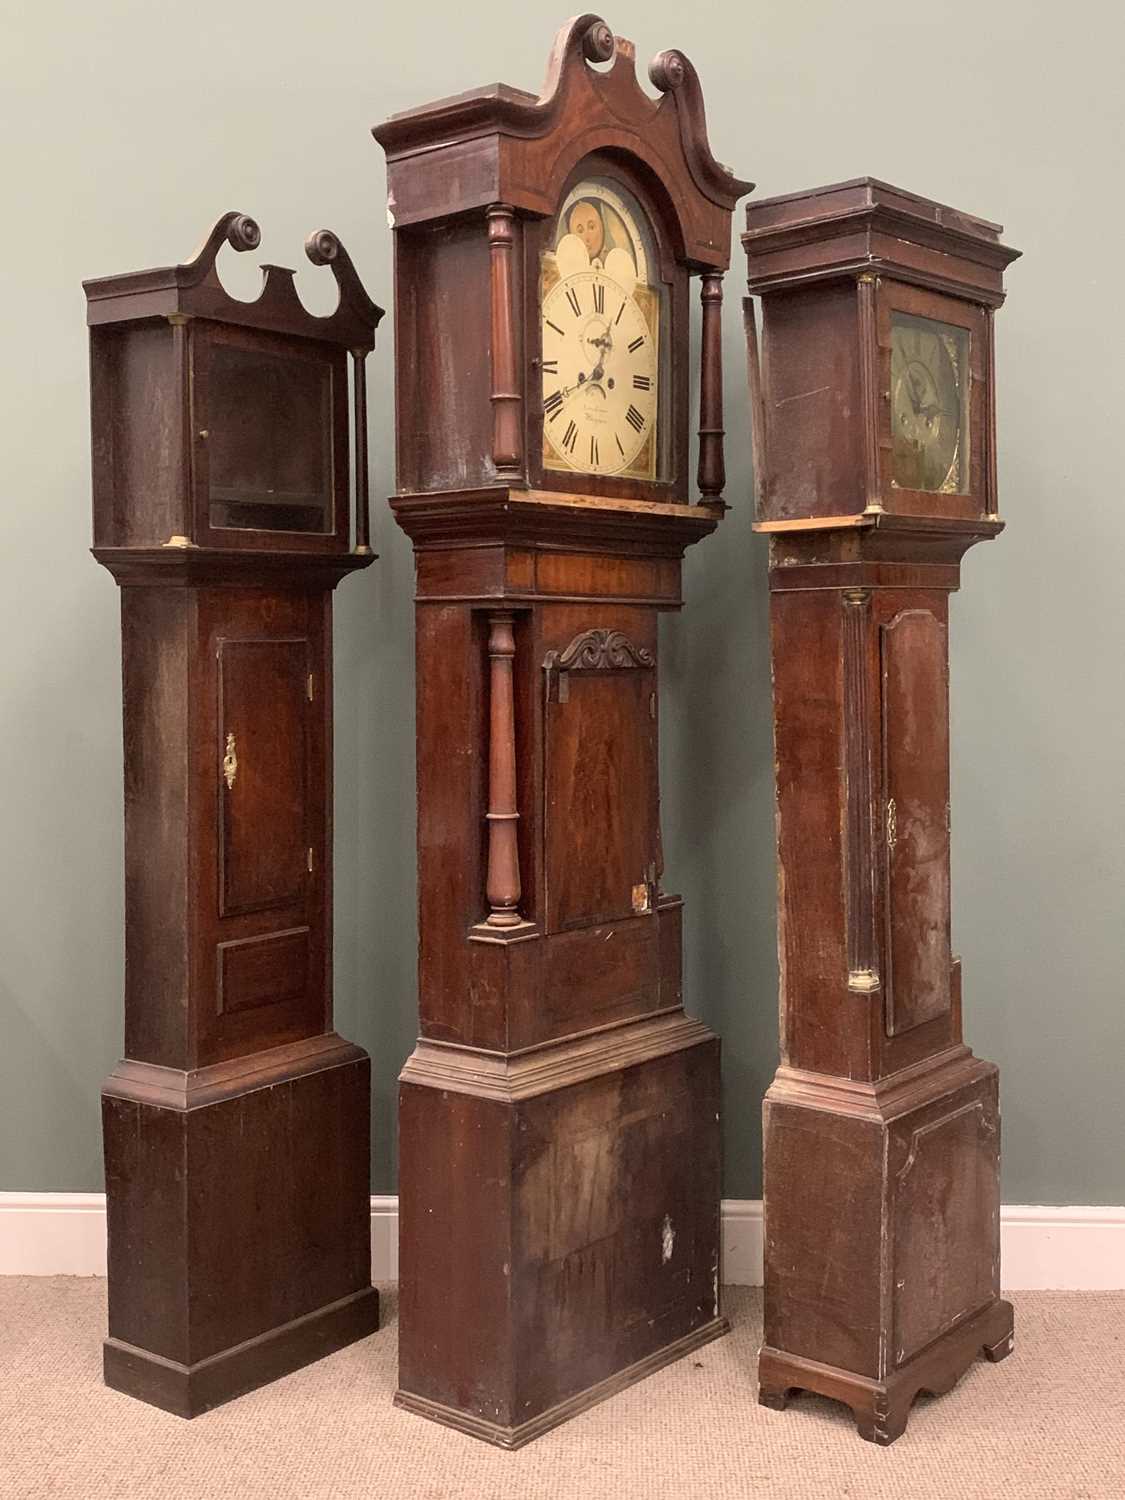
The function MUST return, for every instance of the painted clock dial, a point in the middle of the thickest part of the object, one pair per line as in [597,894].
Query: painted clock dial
[600,337]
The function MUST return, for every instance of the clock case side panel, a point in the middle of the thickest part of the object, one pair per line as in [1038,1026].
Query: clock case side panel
[442,356]
[812,384]
[139,377]
[156,629]
[674,410]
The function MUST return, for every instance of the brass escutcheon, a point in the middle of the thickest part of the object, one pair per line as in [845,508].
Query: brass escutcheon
[230,763]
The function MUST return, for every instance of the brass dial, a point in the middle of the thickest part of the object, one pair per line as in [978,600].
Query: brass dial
[929,376]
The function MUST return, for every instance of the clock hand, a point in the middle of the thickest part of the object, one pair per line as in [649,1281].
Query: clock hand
[605,344]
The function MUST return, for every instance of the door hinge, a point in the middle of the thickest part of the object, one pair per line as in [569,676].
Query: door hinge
[652,705]
[310,859]
[309,687]
[892,824]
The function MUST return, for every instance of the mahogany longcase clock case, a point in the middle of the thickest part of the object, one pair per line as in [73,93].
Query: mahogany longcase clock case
[236,1126]
[877,467]
[559,1138]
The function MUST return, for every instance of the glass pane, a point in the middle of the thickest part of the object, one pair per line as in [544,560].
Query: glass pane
[929,404]
[269,440]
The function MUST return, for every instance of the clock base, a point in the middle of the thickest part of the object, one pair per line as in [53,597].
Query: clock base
[190,1390]
[518,1436]
[559,1223]
[882,1228]
[238,1218]
[882,1407]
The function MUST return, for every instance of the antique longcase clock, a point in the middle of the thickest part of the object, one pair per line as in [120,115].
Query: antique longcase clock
[876,468]
[559,1115]
[237,1125]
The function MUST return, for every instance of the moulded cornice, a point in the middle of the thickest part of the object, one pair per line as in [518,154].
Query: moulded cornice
[194,567]
[540,518]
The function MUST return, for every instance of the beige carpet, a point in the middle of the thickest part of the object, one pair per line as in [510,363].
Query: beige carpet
[1047,1424]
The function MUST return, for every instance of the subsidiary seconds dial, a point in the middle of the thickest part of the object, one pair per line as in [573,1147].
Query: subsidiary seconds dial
[599,374]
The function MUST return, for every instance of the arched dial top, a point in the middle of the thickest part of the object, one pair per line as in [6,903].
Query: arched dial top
[601,316]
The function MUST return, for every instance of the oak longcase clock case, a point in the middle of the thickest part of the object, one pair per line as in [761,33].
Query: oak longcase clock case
[559,1115]
[877,448]
[236,1125]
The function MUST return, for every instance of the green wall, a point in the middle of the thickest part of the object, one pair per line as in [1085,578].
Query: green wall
[128,127]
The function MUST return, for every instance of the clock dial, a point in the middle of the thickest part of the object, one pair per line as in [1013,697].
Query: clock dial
[599,328]
[599,375]
[929,404]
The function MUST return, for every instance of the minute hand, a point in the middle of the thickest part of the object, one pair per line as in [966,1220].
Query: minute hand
[604,344]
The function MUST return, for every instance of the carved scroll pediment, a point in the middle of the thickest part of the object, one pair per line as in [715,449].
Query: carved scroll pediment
[193,288]
[599,651]
[524,146]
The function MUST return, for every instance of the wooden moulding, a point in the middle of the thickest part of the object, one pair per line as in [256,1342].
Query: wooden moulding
[525,1432]
[190,1390]
[867,225]
[509,1077]
[561,522]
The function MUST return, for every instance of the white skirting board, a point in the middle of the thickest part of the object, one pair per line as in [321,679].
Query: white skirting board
[1042,1248]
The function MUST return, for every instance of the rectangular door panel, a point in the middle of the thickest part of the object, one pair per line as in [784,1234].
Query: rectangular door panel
[264,842]
[600,803]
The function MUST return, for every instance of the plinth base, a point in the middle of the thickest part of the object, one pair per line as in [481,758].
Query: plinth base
[516,1437]
[188,1390]
[559,1223]
[882,1407]
[239,1217]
